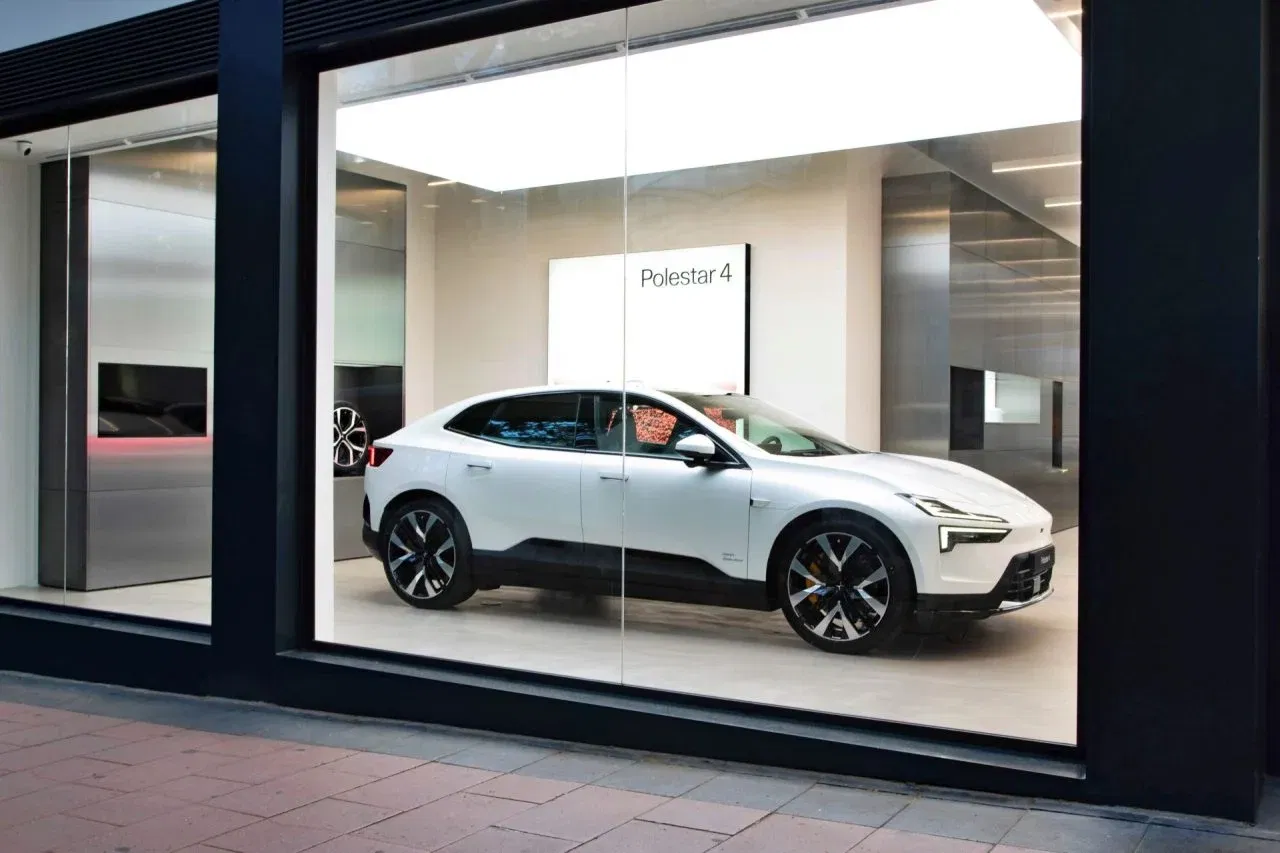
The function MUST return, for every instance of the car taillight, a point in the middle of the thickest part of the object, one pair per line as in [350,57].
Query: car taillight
[378,455]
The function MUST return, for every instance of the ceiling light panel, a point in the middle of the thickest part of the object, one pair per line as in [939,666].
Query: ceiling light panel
[905,73]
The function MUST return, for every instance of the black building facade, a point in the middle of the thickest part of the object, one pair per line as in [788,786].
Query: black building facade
[1173,666]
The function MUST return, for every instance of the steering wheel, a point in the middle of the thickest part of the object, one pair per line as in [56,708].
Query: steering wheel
[772,444]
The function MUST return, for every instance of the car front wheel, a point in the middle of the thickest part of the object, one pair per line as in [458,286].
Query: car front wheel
[844,586]
[426,555]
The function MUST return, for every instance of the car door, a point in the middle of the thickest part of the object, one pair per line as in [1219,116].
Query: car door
[696,513]
[518,479]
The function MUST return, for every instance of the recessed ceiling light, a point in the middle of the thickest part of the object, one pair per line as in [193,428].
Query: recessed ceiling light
[1031,164]
[440,183]
[1063,201]
[900,73]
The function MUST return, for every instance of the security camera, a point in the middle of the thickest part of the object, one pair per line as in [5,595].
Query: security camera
[24,148]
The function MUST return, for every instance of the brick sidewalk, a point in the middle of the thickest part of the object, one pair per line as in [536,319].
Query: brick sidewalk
[91,769]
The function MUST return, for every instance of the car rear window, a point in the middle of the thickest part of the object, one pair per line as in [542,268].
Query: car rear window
[473,420]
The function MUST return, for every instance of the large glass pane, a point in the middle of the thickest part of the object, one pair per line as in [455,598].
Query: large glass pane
[469,310]
[35,187]
[852,326]
[126,308]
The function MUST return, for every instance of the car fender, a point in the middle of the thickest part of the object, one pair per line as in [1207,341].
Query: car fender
[768,522]
[413,469]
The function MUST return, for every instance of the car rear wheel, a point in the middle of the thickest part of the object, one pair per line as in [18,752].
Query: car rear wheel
[426,555]
[844,586]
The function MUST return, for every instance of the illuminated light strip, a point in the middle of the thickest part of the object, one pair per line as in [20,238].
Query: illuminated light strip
[1063,201]
[893,75]
[1062,161]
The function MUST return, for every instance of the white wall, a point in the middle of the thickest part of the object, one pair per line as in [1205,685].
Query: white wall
[19,372]
[32,22]
[814,228]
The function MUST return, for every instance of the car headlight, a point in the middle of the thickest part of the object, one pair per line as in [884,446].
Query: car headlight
[950,537]
[940,509]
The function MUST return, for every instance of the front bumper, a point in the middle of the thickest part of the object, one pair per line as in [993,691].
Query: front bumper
[1027,580]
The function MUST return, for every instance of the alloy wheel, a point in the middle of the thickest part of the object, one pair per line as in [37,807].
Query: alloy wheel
[838,586]
[350,437]
[421,557]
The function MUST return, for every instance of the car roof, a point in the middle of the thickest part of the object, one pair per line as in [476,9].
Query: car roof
[593,389]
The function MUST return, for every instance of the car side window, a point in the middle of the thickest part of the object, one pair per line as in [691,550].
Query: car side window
[543,420]
[644,428]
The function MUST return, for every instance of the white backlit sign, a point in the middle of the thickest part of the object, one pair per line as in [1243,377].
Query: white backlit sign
[685,322]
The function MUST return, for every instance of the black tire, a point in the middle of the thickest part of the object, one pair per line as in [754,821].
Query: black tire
[350,440]
[426,562]
[881,601]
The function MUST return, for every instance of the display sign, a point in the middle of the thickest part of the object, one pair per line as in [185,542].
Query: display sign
[682,313]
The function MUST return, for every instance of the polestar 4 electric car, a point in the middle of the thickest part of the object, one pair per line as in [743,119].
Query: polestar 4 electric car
[727,501]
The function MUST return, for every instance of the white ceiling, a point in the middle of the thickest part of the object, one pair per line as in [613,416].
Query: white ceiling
[879,77]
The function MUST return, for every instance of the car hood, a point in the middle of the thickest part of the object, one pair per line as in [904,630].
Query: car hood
[960,485]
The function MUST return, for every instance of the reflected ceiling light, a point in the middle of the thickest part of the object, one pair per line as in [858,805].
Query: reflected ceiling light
[440,183]
[892,75]
[1062,201]
[1032,164]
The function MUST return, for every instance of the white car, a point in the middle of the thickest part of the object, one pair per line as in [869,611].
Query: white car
[727,501]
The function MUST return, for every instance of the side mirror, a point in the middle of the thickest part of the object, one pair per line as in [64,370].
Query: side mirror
[697,449]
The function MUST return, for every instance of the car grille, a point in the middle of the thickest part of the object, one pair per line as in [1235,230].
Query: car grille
[1031,576]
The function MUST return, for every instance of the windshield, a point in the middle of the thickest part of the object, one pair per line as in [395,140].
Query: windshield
[769,428]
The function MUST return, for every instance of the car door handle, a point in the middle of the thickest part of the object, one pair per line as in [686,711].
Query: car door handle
[615,476]
[480,463]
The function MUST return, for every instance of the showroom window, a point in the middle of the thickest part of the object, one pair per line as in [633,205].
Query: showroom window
[108,275]
[722,349]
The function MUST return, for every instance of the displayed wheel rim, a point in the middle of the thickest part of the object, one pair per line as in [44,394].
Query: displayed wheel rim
[350,437]
[420,554]
[838,586]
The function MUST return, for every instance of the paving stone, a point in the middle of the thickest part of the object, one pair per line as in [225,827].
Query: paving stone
[709,817]
[417,787]
[1069,833]
[967,821]
[584,813]
[499,756]
[786,833]
[524,788]
[847,805]
[494,840]
[751,792]
[576,767]
[444,821]
[641,837]
[1165,839]
[897,841]
[270,836]
[337,815]
[652,777]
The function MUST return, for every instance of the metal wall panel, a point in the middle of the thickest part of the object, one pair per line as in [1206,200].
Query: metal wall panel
[971,283]
[915,372]
[151,237]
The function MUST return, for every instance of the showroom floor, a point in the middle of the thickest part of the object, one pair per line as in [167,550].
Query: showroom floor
[1014,675]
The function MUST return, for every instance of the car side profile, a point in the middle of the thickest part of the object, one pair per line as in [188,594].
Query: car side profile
[728,501]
